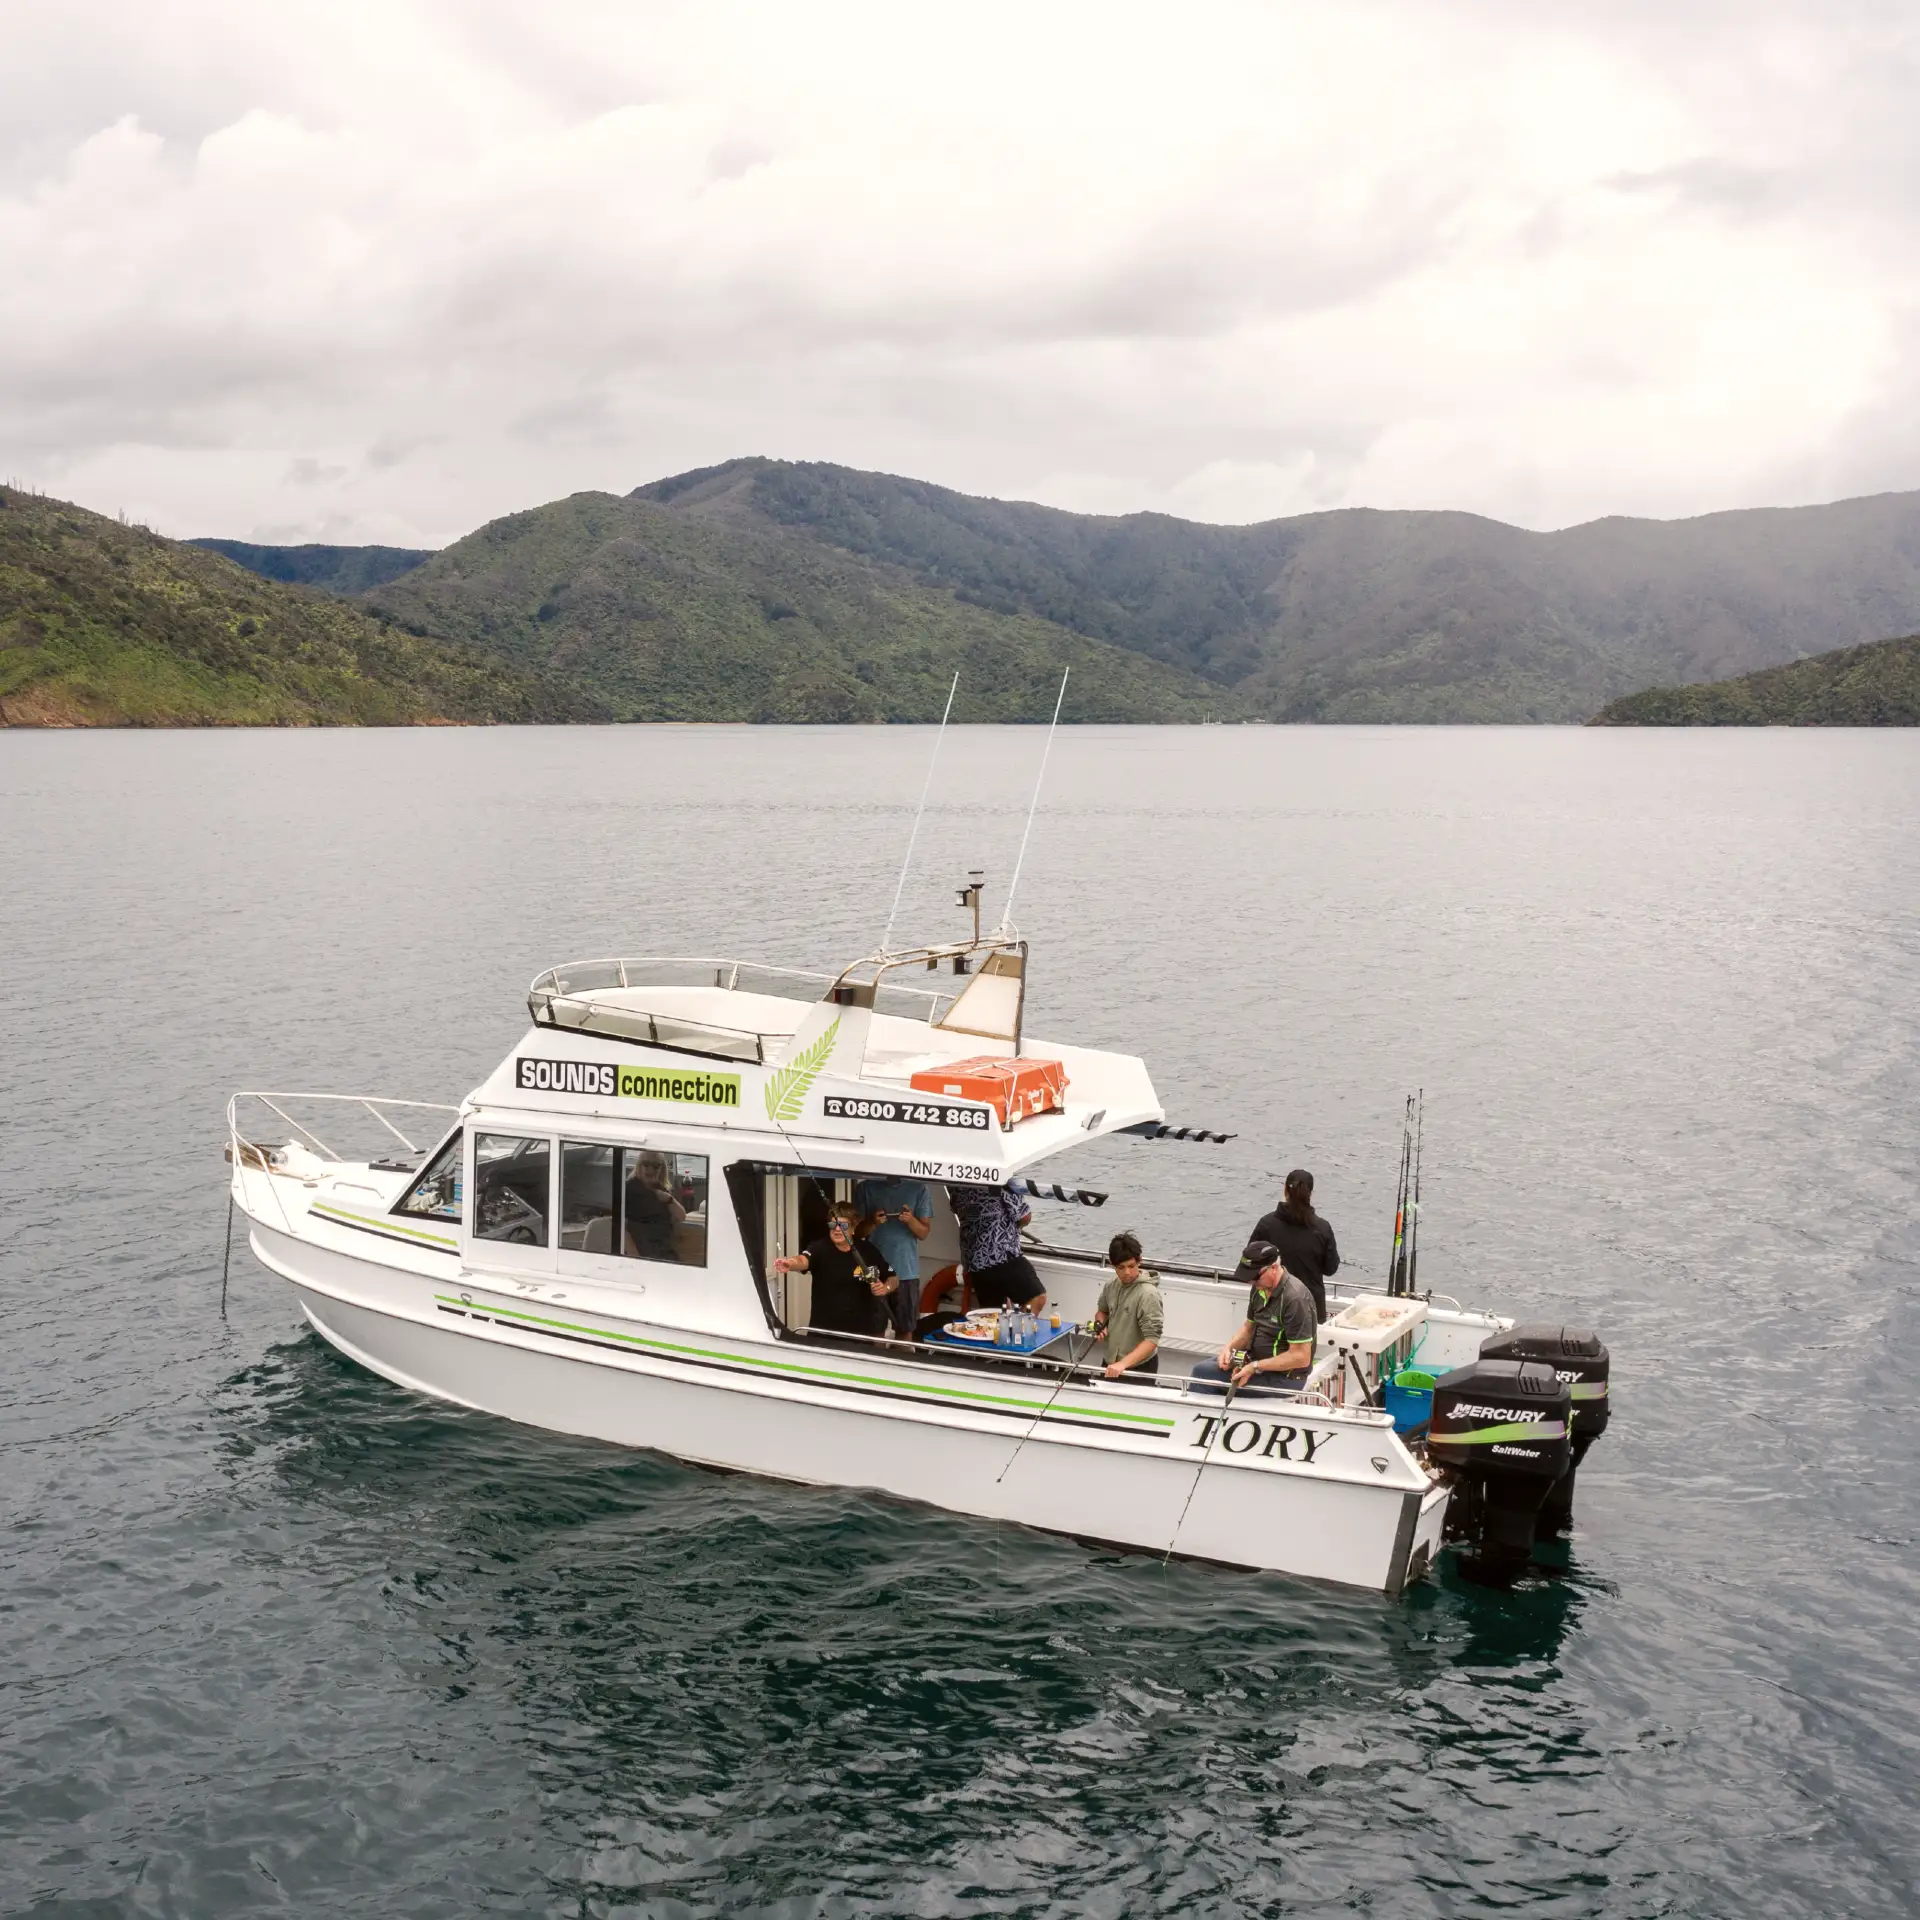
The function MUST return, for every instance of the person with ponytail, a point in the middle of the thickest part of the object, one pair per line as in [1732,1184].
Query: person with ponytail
[1305,1238]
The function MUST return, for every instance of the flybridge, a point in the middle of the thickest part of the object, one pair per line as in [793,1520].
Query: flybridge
[745,1046]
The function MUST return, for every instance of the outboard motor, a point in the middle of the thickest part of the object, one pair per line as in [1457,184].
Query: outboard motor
[1581,1362]
[1502,1426]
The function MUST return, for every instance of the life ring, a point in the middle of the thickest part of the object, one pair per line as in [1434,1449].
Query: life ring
[930,1293]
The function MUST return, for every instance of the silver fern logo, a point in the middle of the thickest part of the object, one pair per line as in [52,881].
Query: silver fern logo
[787,1089]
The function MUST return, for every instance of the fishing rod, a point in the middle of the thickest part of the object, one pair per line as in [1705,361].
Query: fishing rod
[1396,1258]
[1067,1375]
[1413,1225]
[1219,1426]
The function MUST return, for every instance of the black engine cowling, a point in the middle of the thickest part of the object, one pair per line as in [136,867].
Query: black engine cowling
[1505,1428]
[1582,1363]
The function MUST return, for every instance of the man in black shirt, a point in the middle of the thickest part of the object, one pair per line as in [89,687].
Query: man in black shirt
[1273,1351]
[850,1279]
[1305,1239]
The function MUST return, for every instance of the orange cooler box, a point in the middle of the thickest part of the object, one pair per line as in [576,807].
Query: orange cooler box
[1015,1089]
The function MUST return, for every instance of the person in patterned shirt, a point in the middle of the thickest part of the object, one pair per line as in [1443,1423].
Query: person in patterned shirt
[990,1221]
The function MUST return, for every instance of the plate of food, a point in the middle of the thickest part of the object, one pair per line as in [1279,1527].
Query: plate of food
[980,1326]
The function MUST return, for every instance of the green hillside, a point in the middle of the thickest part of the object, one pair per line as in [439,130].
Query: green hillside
[1872,686]
[108,625]
[662,615]
[1368,616]
[341,570]
[775,590]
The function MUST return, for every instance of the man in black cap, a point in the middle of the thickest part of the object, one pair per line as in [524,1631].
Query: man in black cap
[1273,1351]
[1305,1238]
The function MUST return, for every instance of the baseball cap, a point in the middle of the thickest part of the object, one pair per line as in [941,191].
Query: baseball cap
[1258,1257]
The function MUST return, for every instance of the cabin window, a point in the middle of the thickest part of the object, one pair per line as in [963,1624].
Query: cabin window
[636,1203]
[510,1188]
[435,1195]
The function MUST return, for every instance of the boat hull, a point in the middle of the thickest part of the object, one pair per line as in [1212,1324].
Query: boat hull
[1266,1490]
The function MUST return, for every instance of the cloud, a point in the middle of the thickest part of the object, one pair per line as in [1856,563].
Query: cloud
[398,269]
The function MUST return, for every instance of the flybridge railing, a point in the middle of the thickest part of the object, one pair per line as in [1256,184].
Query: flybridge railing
[579,994]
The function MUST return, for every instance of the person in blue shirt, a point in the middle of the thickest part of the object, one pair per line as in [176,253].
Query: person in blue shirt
[896,1216]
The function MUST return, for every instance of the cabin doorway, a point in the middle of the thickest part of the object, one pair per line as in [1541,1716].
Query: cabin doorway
[781,1211]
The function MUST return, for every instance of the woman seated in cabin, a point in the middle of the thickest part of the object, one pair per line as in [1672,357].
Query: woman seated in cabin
[851,1281]
[652,1211]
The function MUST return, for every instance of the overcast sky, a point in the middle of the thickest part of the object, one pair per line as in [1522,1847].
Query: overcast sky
[381,272]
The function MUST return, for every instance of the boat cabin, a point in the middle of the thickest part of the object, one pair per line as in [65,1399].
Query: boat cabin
[667,1129]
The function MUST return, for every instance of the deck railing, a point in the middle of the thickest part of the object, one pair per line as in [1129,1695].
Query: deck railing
[376,1105]
[570,995]
[1321,1394]
[250,1154]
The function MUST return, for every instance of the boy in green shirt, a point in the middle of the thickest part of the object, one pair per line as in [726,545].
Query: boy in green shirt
[1131,1315]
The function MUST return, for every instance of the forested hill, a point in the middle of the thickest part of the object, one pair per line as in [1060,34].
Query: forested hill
[1360,615]
[770,590]
[341,570]
[103,624]
[668,615]
[1873,686]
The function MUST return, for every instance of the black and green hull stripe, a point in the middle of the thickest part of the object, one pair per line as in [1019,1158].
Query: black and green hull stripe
[975,1399]
[386,1228]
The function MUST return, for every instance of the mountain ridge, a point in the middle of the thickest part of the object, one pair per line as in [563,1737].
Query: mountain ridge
[1380,613]
[668,616]
[775,590]
[1877,685]
[337,570]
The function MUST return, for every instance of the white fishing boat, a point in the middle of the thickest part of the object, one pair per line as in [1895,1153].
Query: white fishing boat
[496,1260]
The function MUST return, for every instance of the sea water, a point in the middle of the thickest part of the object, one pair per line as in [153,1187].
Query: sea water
[281,1637]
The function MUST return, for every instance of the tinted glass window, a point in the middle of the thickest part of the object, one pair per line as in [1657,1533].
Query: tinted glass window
[634,1202]
[436,1194]
[510,1189]
[589,1196]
